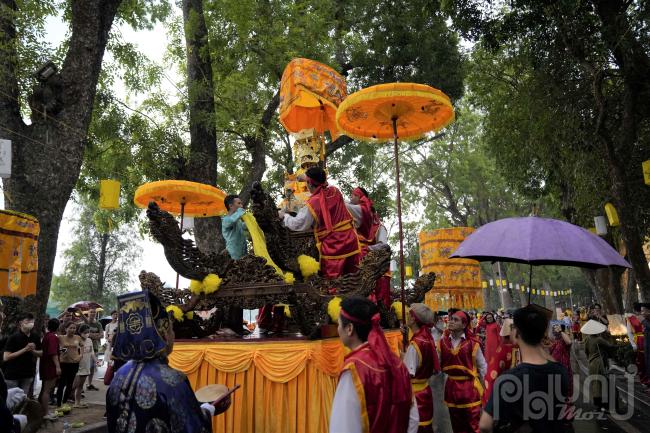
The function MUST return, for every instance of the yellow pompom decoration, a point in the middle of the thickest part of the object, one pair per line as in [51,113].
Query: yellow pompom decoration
[196,287]
[289,278]
[334,309]
[189,315]
[211,283]
[397,308]
[308,265]
[176,312]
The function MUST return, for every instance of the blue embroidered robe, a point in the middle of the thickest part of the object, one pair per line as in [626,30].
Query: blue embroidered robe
[151,397]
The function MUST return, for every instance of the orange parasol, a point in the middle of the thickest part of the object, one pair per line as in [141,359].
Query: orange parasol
[183,198]
[310,93]
[395,110]
[417,108]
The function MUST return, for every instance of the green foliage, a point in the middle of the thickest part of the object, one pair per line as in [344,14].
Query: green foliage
[535,73]
[98,261]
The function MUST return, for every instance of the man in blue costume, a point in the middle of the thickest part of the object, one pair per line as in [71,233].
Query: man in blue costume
[147,395]
[233,228]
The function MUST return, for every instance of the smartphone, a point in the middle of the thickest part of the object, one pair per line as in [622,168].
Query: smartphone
[223,397]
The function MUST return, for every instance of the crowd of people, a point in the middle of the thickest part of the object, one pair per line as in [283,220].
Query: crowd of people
[489,361]
[65,352]
[377,391]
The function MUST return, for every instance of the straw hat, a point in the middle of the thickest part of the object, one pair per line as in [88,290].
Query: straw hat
[506,328]
[210,393]
[593,327]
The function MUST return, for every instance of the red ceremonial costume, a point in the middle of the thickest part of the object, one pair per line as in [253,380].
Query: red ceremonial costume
[428,364]
[561,352]
[381,382]
[504,358]
[367,234]
[637,333]
[491,340]
[334,231]
[463,391]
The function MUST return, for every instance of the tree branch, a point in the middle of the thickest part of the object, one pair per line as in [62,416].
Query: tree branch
[332,147]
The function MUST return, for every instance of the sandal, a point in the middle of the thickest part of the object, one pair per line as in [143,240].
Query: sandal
[81,406]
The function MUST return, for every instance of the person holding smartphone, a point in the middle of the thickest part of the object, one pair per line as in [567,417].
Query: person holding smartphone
[70,345]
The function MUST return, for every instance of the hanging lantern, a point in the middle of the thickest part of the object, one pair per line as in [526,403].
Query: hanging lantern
[109,194]
[310,93]
[601,225]
[646,171]
[484,284]
[612,215]
[408,271]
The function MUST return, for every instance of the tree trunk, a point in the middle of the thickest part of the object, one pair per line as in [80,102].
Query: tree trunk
[630,292]
[256,146]
[634,64]
[101,268]
[203,136]
[602,283]
[47,155]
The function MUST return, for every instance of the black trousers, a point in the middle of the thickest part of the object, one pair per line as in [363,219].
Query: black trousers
[68,373]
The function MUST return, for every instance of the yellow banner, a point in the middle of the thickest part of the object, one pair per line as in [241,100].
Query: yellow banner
[18,253]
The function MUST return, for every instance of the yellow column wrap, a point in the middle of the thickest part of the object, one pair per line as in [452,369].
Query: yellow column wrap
[458,281]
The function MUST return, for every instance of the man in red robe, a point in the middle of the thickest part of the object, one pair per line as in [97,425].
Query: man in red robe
[326,214]
[461,358]
[635,333]
[374,392]
[372,234]
[421,360]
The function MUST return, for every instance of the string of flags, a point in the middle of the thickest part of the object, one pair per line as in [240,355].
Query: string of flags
[503,284]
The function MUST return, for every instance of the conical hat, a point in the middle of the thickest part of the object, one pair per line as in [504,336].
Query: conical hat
[210,393]
[593,327]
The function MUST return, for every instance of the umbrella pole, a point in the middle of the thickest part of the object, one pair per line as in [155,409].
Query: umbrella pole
[182,215]
[530,282]
[399,225]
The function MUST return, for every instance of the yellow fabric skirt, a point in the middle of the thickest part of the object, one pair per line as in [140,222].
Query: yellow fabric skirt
[287,386]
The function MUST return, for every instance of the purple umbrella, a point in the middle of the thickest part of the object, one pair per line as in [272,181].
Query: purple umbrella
[538,241]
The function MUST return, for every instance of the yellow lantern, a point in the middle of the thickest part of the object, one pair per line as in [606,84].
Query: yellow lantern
[646,171]
[408,271]
[109,194]
[484,284]
[612,215]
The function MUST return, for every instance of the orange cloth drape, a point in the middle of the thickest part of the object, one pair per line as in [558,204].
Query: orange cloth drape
[18,253]
[287,386]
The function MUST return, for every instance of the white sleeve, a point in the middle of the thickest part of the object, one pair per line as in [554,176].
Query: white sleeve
[414,418]
[411,360]
[480,363]
[301,222]
[381,238]
[346,408]
[382,235]
[355,211]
